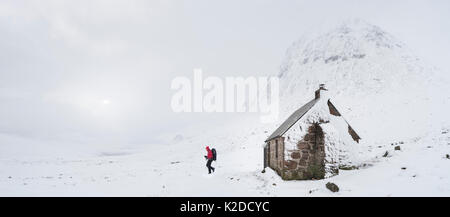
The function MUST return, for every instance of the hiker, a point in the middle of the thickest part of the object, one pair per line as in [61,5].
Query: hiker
[210,157]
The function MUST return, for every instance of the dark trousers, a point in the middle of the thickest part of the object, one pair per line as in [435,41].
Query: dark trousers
[208,164]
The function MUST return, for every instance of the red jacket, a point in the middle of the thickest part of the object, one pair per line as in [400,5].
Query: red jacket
[210,155]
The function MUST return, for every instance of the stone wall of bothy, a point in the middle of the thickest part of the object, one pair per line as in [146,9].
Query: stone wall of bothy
[308,160]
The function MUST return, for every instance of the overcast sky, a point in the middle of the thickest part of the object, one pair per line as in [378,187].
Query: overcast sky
[102,69]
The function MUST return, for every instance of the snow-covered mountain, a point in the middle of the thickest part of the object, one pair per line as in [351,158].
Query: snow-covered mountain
[380,85]
[356,57]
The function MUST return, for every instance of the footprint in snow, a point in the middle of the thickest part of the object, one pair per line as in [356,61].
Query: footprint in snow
[208,175]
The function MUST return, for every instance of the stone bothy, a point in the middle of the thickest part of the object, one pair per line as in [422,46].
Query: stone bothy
[312,143]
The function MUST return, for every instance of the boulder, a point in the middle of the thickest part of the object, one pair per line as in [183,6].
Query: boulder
[332,187]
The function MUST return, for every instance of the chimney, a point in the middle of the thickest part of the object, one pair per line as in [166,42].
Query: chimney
[321,87]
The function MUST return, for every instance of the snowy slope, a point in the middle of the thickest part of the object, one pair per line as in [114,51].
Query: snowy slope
[386,93]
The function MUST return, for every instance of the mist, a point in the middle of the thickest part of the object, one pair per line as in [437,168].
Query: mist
[100,71]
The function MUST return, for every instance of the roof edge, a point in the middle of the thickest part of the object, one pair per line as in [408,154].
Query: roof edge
[308,106]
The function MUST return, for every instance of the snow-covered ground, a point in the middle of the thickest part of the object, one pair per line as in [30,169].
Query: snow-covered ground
[179,170]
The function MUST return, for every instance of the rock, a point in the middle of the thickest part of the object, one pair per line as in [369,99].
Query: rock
[304,157]
[366,165]
[386,154]
[263,171]
[403,168]
[303,145]
[332,187]
[291,164]
[303,163]
[295,155]
[309,137]
[397,148]
[178,138]
[274,184]
[348,167]
[447,156]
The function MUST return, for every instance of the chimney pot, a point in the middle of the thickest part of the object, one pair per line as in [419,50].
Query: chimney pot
[317,93]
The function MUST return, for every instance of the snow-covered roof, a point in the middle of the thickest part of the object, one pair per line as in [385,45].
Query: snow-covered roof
[292,119]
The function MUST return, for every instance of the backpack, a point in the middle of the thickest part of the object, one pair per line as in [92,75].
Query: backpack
[214,154]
